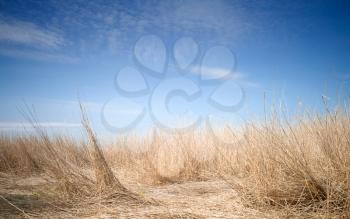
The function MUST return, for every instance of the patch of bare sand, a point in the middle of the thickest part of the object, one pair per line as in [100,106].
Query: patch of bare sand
[207,199]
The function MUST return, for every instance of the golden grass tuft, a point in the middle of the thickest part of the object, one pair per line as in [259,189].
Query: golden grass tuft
[103,173]
[300,164]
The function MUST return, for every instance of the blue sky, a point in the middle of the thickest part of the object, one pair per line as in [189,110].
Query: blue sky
[122,58]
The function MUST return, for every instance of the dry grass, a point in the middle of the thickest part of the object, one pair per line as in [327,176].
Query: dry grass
[304,166]
[299,165]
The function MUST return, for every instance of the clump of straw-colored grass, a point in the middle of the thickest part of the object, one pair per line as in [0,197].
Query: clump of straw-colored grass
[300,163]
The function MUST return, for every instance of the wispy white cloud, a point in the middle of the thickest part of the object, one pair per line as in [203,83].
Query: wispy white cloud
[122,112]
[93,30]
[215,72]
[112,27]
[251,84]
[26,40]
[19,125]
[222,73]
[29,34]
[38,55]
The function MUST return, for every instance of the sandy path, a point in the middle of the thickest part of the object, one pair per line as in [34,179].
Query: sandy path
[207,199]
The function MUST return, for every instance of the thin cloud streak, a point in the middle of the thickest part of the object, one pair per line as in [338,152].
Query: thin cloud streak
[29,34]
[216,72]
[19,125]
[115,32]
[38,56]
